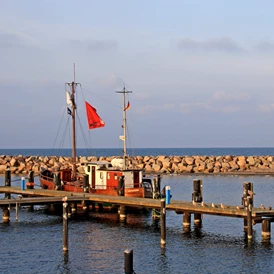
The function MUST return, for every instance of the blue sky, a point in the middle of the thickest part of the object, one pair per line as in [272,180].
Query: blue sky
[201,72]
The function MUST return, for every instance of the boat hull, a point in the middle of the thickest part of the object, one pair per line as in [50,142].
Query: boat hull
[137,192]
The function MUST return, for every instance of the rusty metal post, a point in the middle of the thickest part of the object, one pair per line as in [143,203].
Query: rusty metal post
[65,225]
[266,229]
[163,222]
[128,261]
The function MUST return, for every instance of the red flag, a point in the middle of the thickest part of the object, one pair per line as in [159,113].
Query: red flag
[127,107]
[94,121]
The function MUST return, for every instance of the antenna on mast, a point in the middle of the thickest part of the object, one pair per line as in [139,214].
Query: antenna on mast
[74,72]
[124,137]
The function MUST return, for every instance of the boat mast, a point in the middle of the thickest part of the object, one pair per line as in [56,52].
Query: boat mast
[73,114]
[124,138]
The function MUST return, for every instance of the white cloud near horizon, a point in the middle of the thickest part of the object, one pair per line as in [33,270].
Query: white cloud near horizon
[222,44]
[267,108]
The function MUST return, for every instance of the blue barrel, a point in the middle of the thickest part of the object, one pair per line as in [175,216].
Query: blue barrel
[23,183]
[167,195]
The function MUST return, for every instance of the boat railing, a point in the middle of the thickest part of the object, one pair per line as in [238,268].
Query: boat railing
[46,177]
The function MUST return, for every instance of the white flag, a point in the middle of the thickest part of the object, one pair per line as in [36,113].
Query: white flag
[68,98]
[122,137]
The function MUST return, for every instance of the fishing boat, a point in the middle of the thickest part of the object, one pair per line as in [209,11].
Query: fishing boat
[100,177]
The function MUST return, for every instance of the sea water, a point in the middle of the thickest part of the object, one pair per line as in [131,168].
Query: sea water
[97,245]
[247,151]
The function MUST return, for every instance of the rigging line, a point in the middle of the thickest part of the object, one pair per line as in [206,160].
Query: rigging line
[82,131]
[131,141]
[83,93]
[64,134]
[89,134]
[59,128]
[103,99]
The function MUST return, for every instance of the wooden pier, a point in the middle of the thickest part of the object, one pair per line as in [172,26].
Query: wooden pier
[195,207]
[41,196]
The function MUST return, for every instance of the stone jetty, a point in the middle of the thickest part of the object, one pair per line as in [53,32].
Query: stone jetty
[151,164]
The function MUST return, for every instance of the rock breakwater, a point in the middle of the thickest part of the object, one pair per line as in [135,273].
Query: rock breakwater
[151,164]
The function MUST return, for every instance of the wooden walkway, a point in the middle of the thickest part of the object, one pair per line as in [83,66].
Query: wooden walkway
[41,196]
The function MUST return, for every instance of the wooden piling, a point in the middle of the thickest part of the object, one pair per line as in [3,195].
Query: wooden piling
[7,182]
[266,229]
[128,261]
[6,210]
[85,207]
[65,225]
[85,183]
[186,219]
[197,198]
[249,219]
[163,222]
[73,209]
[122,213]
[16,212]
[6,215]
[248,201]
[57,181]
[121,186]
[30,183]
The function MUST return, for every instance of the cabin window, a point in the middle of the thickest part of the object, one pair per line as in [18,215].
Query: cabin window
[101,175]
[88,168]
[115,176]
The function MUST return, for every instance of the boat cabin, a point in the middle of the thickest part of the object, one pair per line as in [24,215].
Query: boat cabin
[103,175]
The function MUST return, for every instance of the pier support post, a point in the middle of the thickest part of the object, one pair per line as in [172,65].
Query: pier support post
[57,181]
[73,208]
[248,197]
[16,212]
[122,213]
[65,225]
[128,261]
[31,208]
[6,209]
[266,229]
[163,222]
[85,183]
[249,219]
[186,221]
[85,206]
[30,183]
[100,207]
[197,197]
[6,215]
[7,181]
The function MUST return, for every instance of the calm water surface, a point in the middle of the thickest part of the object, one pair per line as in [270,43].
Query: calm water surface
[34,243]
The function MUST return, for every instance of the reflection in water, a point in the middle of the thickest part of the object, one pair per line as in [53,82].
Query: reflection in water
[66,269]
